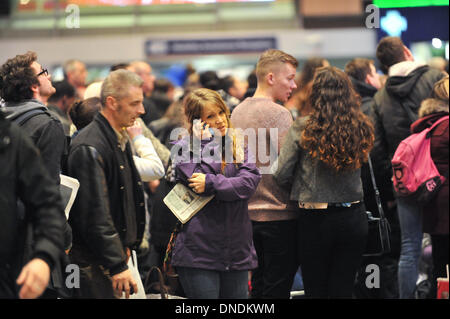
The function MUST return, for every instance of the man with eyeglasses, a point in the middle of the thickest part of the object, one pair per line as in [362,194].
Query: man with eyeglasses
[24,86]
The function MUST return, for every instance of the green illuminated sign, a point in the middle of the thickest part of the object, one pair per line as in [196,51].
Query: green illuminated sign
[409,3]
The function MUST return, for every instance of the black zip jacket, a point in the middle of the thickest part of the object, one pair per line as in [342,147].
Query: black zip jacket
[98,216]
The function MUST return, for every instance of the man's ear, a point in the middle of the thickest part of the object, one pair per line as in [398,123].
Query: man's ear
[35,89]
[368,80]
[270,78]
[111,103]
[407,53]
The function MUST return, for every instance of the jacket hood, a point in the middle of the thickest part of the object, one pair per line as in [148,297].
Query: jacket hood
[14,110]
[363,89]
[430,106]
[401,86]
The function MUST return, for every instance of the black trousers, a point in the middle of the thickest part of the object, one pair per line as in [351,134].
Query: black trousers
[331,243]
[440,251]
[275,244]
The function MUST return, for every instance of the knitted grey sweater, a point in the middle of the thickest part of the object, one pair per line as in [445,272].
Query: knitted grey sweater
[270,202]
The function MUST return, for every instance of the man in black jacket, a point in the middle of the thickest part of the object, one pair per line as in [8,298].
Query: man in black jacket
[366,81]
[108,216]
[396,107]
[23,176]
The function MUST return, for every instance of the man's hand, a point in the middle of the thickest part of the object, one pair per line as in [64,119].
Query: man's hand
[197,182]
[34,279]
[123,281]
[134,130]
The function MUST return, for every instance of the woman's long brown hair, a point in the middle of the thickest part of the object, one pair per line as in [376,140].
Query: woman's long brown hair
[193,109]
[337,131]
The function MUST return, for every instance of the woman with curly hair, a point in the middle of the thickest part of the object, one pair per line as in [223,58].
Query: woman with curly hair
[321,160]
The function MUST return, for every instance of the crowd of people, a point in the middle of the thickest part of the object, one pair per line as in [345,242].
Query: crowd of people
[284,158]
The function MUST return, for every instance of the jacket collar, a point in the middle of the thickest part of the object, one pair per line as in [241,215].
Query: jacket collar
[107,129]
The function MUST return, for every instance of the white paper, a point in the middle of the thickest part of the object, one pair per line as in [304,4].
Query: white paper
[184,203]
[68,188]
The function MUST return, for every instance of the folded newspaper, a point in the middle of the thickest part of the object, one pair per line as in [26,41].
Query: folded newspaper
[68,189]
[184,203]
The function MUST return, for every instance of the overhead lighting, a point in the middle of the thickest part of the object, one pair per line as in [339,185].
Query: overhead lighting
[394,23]
[437,43]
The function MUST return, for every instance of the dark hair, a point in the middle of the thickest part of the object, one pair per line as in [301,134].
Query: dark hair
[162,85]
[210,80]
[118,66]
[337,132]
[305,82]
[17,77]
[63,88]
[309,69]
[227,83]
[359,68]
[252,80]
[83,112]
[390,51]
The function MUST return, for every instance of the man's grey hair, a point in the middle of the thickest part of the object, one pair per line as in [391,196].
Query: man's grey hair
[117,84]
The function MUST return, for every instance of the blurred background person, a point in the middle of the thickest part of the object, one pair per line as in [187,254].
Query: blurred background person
[75,73]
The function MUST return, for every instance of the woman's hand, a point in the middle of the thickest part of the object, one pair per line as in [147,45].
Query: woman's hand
[197,182]
[201,130]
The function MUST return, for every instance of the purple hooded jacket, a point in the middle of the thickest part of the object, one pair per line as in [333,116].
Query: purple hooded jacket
[219,237]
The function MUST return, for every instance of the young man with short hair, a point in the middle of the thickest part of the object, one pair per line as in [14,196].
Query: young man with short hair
[273,217]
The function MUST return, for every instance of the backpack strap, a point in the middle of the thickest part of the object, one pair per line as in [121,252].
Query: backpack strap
[28,115]
[435,124]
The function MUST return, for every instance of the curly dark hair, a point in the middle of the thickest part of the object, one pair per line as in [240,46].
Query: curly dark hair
[17,77]
[337,132]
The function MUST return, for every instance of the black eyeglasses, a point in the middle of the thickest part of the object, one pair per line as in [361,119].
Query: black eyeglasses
[44,71]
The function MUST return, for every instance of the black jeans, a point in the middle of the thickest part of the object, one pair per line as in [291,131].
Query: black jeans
[331,243]
[440,259]
[275,244]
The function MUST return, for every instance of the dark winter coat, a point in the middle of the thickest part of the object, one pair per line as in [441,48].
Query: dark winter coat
[98,217]
[219,237]
[383,180]
[435,213]
[392,121]
[23,176]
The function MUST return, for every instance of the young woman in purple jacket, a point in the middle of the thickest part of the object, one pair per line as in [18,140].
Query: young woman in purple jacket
[214,250]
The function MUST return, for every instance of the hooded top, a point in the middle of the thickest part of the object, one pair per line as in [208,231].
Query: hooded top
[409,89]
[46,132]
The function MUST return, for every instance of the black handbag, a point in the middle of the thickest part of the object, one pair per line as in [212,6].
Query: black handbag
[378,239]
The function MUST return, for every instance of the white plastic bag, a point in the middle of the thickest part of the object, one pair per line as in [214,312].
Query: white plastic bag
[133,267]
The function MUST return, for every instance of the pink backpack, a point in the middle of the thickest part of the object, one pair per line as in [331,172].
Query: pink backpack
[414,171]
